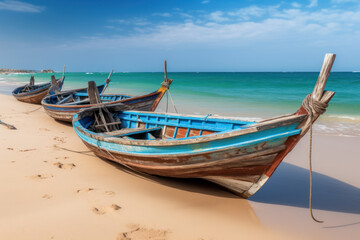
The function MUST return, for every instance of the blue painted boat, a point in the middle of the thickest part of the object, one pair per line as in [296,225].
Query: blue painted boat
[65,105]
[239,155]
[34,93]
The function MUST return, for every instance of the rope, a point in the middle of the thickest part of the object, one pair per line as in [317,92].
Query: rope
[312,106]
[165,84]
[172,101]
[143,175]
[33,110]
[167,101]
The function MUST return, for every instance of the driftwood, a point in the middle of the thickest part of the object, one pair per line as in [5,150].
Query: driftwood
[9,126]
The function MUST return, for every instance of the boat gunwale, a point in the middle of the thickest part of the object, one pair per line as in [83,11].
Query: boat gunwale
[292,119]
[40,88]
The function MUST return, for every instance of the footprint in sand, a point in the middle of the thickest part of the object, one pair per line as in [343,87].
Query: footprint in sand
[59,139]
[27,150]
[85,190]
[44,129]
[47,196]
[138,232]
[110,193]
[41,176]
[105,209]
[9,148]
[64,165]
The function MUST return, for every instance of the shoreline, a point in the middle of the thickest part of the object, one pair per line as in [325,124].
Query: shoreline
[50,179]
[328,124]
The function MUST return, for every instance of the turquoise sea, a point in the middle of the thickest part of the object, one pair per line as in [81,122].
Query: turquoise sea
[250,95]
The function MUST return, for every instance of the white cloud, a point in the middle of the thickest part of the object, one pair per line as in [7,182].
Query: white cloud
[217,16]
[205,1]
[19,6]
[313,3]
[138,21]
[296,29]
[344,1]
[185,15]
[296,5]
[162,14]
[248,12]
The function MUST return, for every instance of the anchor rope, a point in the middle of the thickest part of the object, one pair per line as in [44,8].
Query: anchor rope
[172,101]
[141,174]
[312,106]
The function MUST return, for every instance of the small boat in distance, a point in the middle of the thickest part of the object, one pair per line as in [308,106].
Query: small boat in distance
[238,155]
[34,93]
[65,105]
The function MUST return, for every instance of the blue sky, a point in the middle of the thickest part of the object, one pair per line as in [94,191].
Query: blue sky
[197,35]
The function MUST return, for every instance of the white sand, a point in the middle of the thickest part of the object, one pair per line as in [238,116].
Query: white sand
[53,188]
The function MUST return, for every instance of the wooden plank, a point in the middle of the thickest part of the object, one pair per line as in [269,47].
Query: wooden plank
[130,131]
[323,76]
[93,93]
[108,124]
[32,81]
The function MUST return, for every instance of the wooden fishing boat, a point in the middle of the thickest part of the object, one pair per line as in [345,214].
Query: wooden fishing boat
[34,93]
[239,155]
[65,105]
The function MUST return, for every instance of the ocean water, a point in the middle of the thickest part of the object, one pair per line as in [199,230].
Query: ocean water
[248,95]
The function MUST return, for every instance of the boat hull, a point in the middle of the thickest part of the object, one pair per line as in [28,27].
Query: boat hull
[66,113]
[238,163]
[34,97]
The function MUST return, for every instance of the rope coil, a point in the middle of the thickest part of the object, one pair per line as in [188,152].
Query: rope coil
[312,106]
[165,84]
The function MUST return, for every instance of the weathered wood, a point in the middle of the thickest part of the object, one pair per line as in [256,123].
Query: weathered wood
[108,124]
[33,94]
[93,93]
[107,81]
[65,112]
[323,76]
[165,71]
[241,159]
[94,97]
[129,131]
[32,81]
[9,126]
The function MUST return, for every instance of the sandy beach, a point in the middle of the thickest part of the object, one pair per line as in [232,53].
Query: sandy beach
[53,188]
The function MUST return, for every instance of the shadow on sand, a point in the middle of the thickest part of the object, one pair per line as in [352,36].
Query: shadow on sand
[290,186]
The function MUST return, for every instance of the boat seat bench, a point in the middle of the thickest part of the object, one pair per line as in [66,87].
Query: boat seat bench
[131,131]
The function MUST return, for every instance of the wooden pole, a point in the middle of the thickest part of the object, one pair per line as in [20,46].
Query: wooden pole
[95,99]
[53,80]
[165,71]
[110,74]
[107,81]
[32,80]
[64,71]
[323,76]
[93,93]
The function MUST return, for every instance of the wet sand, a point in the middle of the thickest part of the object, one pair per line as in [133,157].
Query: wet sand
[53,188]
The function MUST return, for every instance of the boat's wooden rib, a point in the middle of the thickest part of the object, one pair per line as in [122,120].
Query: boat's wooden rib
[238,155]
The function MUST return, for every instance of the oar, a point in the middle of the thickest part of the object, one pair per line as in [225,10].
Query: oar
[9,126]
[107,81]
